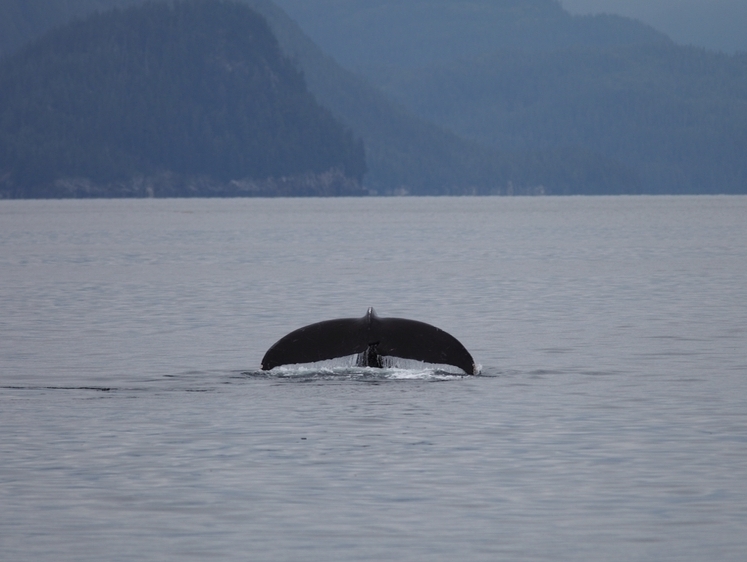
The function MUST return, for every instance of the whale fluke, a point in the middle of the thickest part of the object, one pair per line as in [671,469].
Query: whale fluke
[371,338]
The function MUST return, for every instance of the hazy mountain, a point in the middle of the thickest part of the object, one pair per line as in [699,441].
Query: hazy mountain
[370,33]
[676,115]
[411,155]
[524,75]
[198,91]
[403,153]
[714,24]
[23,20]
[549,101]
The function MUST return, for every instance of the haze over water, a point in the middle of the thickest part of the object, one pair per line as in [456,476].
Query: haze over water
[609,422]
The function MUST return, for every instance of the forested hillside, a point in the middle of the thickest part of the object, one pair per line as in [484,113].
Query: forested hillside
[24,20]
[366,34]
[717,25]
[501,96]
[676,115]
[524,75]
[404,154]
[196,96]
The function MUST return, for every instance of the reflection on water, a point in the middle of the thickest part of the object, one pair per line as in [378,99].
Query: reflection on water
[360,374]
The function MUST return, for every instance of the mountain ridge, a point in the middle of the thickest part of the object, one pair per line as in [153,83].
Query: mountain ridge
[415,142]
[161,90]
[406,154]
[361,34]
[673,115]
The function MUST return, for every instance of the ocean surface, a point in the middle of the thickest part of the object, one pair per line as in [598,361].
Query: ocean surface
[609,421]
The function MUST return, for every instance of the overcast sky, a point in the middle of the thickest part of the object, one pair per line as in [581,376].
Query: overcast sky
[716,24]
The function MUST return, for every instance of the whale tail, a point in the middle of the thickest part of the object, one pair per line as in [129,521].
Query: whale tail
[371,338]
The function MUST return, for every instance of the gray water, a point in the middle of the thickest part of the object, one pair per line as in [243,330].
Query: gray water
[609,421]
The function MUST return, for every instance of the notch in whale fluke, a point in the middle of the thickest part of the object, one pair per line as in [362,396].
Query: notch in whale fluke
[371,338]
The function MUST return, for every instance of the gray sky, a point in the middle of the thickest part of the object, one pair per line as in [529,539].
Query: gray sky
[715,24]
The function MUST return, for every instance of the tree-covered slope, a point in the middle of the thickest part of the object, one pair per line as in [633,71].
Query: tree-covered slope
[525,76]
[361,34]
[717,25]
[404,153]
[677,115]
[500,95]
[197,89]
[24,20]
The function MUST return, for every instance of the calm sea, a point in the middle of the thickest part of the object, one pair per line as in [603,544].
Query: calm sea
[609,422]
